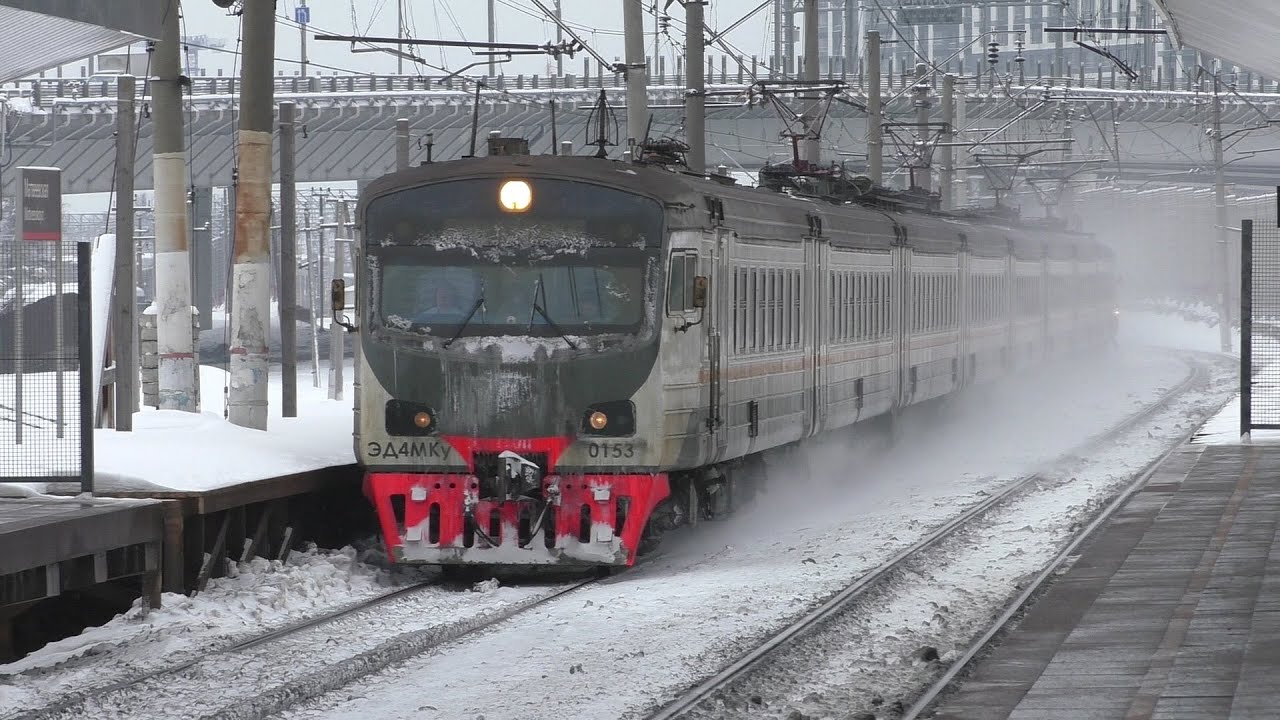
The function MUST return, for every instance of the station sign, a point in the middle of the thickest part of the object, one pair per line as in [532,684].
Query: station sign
[40,204]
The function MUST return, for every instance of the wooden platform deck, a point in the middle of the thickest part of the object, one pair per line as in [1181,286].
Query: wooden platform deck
[51,545]
[1172,611]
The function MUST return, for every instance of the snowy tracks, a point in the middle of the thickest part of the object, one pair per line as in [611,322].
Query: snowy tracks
[847,652]
[270,673]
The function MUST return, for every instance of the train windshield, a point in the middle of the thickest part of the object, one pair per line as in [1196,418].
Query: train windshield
[447,259]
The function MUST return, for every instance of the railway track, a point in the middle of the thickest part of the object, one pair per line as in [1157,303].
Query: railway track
[811,623]
[376,634]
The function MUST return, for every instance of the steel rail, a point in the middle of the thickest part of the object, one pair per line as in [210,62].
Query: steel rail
[944,681]
[873,579]
[71,700]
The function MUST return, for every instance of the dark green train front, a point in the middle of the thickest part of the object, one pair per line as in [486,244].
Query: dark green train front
[509,328]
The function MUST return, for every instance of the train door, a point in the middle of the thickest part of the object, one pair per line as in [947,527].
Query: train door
[821,250]
[715,261]
[811,317]
[902,326]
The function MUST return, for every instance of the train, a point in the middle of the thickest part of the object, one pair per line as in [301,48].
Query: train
[563,357]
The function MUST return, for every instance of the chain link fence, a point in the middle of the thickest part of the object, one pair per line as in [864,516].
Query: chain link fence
[45,399]
[1260,324]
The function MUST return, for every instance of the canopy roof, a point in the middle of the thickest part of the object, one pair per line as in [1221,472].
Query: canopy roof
[1242,31]
[39,34]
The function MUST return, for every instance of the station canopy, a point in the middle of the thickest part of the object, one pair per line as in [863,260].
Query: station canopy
[36,35]
[1241,31]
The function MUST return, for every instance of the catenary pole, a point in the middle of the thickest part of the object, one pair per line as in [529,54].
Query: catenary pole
[251,273]
[124,331]
[875,141]
[812,147]
[174,334]
[637,91]
[777,64]
[559,40]
[288,264]
[338,334]
[947,171]
[493,26]
[923,104]
[1220,208]
[302,38]
[695,99]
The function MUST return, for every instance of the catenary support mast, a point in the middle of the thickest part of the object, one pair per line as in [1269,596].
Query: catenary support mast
[174,335]
[875,133]
[812,147]
[124,329]
[637,90]
[1220,231]
[288,264]
[695,99]
[251,273]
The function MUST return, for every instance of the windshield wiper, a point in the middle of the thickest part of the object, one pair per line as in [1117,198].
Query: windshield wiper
[539,286]
[467,320]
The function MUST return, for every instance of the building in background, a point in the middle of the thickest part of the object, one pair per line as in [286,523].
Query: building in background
[960,30]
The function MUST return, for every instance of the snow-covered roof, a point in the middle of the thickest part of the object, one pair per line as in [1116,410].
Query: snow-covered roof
[40,34]
[1242,31]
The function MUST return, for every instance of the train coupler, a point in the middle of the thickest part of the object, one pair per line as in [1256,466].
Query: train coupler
[442,518]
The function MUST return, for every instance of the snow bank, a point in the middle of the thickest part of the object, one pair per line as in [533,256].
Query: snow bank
[257,595]
[173,450]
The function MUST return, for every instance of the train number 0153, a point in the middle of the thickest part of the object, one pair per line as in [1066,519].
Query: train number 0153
[611,451]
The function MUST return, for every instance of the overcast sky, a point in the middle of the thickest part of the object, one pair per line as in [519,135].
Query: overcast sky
[598,22]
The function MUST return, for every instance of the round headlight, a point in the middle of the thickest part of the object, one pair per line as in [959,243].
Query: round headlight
[515,196]
[422,420]
[598,420]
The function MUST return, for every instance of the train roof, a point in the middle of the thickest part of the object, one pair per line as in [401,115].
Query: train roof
[761,211]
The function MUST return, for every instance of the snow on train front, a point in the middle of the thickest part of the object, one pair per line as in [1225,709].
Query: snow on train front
[509,333]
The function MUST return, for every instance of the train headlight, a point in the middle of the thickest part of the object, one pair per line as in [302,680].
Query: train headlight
[616,418]
[515,196]
[422,420]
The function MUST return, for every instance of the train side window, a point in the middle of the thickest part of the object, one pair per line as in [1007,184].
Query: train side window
[757,309]
[795,308]
[739,309]
[766,299]
[684,266]
[775,306]
[790,300]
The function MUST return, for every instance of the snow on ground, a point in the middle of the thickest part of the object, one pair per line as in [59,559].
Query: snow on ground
[258,595]
[170,450]
[159,452]
[617,649]
[952,593]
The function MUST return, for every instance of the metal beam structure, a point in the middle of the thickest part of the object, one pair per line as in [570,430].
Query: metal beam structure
[40,34]
[350,135]
[1242,31]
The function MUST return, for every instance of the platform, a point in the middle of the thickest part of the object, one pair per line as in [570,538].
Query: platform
[53,545]
[1171,611]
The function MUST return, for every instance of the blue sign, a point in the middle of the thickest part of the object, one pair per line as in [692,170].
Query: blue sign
[302,15]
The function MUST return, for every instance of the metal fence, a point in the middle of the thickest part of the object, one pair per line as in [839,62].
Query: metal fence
[1260,325]
[46,393]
